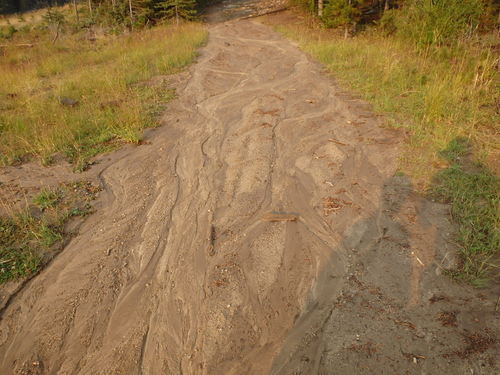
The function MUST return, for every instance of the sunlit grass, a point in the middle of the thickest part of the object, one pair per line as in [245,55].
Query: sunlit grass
[446,98]
[437,95]
[104,76]
[30,237]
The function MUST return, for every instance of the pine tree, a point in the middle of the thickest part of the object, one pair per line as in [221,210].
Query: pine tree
[146,8]
[7,6]
[141,11]
[341,13]
[177,9]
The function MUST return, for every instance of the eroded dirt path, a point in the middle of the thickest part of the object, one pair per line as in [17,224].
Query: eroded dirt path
[186,272]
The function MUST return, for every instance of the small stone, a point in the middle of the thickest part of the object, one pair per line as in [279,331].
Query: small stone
[35,212]
[70,102]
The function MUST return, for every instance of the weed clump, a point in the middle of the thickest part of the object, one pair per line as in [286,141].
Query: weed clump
[437,22]
[472,191]
[7,32]
[17,258]
[30,237]
[46,199]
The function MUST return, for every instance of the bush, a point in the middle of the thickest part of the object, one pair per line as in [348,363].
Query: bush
[7,32]
[340,13]
[388,21]
[438,22]
[307,5]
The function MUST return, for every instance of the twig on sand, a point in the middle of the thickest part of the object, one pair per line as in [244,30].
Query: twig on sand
[337,141]
[278,216]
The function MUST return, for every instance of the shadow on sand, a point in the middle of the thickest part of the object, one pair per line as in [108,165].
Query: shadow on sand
[394,310]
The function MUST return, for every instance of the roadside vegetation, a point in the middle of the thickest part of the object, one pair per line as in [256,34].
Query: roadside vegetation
[81,96]
[472,191]
[75,81]
[30,238]
[432,68]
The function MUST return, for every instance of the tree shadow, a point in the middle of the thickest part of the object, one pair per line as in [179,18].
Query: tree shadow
[381,313]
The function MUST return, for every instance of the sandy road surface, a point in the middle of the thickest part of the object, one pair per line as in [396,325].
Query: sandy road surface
[185,270]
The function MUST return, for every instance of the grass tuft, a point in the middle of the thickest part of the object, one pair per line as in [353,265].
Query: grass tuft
[16,258]
[46,198]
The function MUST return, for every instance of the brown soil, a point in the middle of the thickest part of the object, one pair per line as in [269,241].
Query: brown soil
[240,239]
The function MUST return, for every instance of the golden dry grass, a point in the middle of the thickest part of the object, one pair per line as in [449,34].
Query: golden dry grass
[447,100]
[436,94]
[102,75]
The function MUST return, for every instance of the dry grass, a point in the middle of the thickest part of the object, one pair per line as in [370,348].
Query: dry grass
[101,75]
[447,99]
[438,94]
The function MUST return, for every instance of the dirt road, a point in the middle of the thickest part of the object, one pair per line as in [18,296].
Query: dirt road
[261,231]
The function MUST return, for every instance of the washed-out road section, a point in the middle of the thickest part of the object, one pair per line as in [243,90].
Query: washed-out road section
[260,230]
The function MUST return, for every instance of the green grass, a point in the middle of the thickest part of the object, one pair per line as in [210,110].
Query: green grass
[446,99]
[472,191]
[76,97]
[31,237]
[106,77]
[436,94]
[17,259]
[46,198]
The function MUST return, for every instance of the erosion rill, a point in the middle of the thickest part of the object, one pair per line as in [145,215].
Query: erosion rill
[243,240]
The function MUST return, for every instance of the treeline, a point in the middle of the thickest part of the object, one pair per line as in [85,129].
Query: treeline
[16,6]
[426,21]
[113,12]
